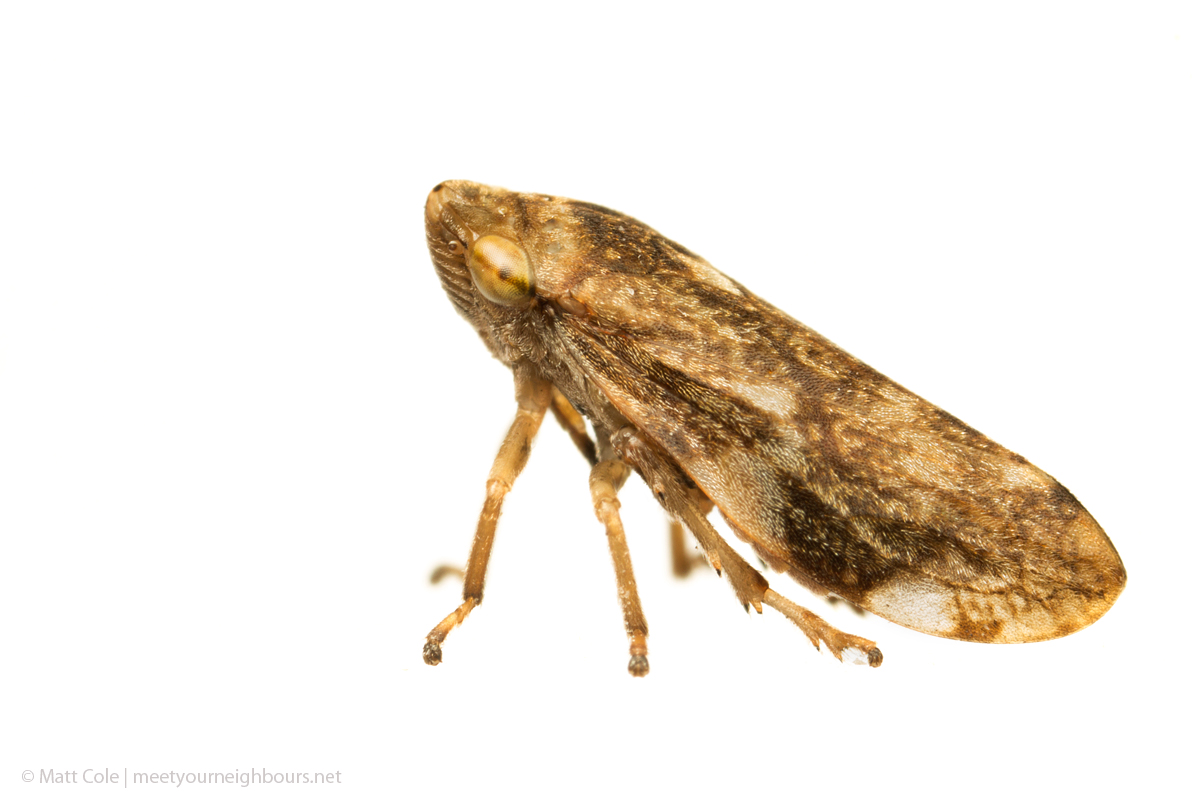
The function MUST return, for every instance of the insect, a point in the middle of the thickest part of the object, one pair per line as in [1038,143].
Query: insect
[848,482]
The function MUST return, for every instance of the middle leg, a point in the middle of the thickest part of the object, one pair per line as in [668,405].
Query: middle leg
[606,479]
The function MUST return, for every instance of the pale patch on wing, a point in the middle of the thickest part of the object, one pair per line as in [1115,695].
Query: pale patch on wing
[918,603]
[707,273]
[1007,617]
[772,398]
[631,306]
[779,401]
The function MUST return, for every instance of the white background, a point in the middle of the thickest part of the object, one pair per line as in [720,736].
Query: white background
[240,423]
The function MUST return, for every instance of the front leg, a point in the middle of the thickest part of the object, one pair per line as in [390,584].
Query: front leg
[533,397]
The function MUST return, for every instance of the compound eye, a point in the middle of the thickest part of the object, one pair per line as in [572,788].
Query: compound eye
[500,270]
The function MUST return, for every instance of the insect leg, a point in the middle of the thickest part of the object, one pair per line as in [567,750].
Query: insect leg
[675,494]
[443,571]
[606,479]
[683,561]
[533,397]
[843,645]
[751,588]
[572,423]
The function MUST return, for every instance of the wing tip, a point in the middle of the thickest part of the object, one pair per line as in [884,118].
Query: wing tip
[1033,612]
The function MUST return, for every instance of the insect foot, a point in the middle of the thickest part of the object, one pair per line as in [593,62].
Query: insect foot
[444,571]
[844,647]
[432,651]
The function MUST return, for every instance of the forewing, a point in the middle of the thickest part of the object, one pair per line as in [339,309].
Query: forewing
[834,473]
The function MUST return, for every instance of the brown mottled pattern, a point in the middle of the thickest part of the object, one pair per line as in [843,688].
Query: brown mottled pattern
[831,471]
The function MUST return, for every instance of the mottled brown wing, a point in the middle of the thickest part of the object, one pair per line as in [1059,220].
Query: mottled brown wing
[837,475]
